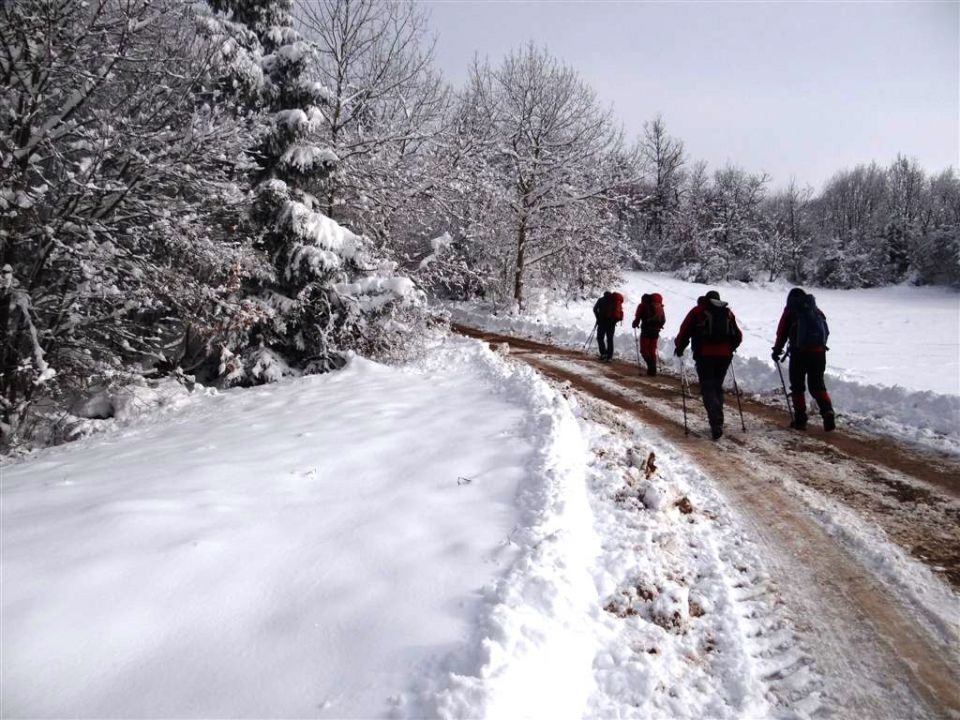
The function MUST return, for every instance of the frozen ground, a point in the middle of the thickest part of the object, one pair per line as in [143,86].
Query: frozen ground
[893,365]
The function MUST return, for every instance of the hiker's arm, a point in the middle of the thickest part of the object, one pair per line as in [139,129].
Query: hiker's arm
[782,327]
[683,337]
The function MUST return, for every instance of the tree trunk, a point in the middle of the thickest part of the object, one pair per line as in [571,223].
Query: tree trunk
[518,274]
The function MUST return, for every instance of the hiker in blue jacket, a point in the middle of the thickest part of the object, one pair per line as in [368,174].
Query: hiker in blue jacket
[804,326]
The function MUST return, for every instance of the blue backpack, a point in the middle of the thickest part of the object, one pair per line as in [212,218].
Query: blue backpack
[810,327]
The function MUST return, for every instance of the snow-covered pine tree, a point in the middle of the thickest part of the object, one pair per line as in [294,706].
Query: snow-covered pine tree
[326,290]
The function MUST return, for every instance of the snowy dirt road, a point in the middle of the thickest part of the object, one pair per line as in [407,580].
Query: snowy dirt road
[838,513]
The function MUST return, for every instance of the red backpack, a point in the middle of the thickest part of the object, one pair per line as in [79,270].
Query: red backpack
[653,310]
[615,308]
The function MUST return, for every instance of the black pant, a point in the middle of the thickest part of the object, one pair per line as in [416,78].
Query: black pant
[605,329]
[806,369]
[711,372]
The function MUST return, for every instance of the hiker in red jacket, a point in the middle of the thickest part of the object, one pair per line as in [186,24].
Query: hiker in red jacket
[608,311]
[715,335]
[804,325]
[650,319]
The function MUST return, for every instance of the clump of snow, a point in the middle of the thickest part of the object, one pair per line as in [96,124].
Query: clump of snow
[326,243]
[282,35]
[134,400]
[291,53]
[299,120]
[312,87]
[268,366]
[375,291]
[307,157]
[323,231]
[438,245]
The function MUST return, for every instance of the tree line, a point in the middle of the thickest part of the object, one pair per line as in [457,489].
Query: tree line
[241,190]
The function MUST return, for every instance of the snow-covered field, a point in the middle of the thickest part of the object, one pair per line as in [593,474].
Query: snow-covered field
[455,539]
[894,360]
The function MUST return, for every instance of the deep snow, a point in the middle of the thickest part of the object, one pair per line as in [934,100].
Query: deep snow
[299,549]
[894,359]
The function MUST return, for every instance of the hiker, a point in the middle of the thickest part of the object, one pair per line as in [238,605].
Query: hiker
[651,319]
[804,326]
[713,330]
[608,311]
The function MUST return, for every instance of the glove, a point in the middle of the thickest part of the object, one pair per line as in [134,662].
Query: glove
[775,355]
[634,324]
[678,352]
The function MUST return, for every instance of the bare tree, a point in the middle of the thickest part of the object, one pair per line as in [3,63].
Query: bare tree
[733,225]
[384,103]
[789,237]
[551,148]
[663,159]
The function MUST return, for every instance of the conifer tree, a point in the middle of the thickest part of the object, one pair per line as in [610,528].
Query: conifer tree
[323,290]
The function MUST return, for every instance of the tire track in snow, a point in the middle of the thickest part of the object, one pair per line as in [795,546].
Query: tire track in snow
[879,662]
[701,629]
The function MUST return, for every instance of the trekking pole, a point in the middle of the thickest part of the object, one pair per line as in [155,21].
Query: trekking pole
[636,342]
[736,389]
[786,398]
[590,337]
[683,392]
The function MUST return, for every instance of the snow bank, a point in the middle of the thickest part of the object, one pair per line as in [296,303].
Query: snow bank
[893,366]
[328,546]
[111,409]
[537,639]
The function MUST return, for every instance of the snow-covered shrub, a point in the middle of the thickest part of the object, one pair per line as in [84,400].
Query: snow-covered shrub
[118,214]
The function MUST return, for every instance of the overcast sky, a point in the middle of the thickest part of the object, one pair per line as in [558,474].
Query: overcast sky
[798,89]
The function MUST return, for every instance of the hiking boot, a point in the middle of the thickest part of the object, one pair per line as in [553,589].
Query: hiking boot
[651,372]
[799,422]
[716,432]
[829,421]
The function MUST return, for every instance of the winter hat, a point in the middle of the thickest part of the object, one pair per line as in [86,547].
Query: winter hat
[795,294]
[712,295]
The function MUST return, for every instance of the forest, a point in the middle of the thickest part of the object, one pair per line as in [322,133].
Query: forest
[233,192]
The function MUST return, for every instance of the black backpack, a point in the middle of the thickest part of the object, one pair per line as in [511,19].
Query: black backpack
[810,327]
[717,325]
[602,307]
